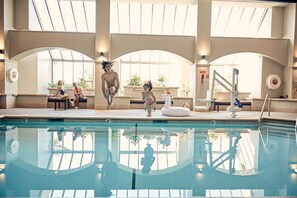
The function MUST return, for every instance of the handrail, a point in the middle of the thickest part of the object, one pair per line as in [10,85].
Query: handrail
[269,103]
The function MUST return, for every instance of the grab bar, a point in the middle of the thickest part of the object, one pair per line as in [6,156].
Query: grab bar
[269,103]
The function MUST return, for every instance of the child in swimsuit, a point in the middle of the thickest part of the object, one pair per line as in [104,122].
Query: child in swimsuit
[149,98]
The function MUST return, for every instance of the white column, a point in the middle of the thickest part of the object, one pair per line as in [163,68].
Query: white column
[102,45]
[203,48]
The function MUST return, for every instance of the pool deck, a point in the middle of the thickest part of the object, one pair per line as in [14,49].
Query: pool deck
[136,114]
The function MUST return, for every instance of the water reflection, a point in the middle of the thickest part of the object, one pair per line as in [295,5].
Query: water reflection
[148,159]
[142,159]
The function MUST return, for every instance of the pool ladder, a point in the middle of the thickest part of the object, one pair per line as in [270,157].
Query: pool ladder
[267,97]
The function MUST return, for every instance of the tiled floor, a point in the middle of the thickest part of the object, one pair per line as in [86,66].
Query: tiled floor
[135,114]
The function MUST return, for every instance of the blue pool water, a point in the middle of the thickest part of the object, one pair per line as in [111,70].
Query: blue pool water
[121,159]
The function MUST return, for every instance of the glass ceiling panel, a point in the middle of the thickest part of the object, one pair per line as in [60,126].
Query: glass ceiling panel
[180,18]
[56,17]
[158,13]
[43,14]
[146,18]
[80,16]
[68,16]
[157,18]
[169,15]
[223,18]
[124,18]
[114,16]
[257,19]
[66,54]
[245,21]
[234,20]
[135,18]
[240,21]
[191,21]
[56,54]
[90,7]
[265,26]
[77,55]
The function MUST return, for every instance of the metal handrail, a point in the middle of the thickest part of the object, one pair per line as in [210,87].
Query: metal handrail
[269,103]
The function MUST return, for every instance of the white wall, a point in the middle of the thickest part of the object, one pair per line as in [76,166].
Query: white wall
[288,32]
[27,83]
[271,67]
[249,78]
[44,72]
[277,22]
[186,77]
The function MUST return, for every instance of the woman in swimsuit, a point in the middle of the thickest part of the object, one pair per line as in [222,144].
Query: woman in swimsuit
[61,92]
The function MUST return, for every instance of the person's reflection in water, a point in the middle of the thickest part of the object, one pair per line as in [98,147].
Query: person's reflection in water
[77,132]
[148,159]
[61,133]
[109,173]
[167,139]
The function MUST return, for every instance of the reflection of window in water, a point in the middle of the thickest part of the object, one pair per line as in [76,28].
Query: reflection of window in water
[131,152]
[235,193]
[72,148]
[62,193]
[115,193]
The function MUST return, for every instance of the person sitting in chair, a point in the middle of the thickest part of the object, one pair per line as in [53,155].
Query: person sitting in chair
[78,93]
[61,92]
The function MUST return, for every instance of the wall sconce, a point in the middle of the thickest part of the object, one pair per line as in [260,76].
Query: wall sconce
[203,57]
[100,168]
[1,51]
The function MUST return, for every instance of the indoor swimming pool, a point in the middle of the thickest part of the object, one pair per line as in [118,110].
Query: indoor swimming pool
[58,158]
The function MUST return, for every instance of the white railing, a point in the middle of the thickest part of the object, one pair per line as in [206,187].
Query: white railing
[263,107]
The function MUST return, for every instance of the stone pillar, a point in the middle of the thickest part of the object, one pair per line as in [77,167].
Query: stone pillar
[2,70]
[294,72]
[203,48]
[21,14]
[102,45]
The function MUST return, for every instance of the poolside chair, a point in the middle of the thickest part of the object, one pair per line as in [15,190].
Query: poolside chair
[207,100]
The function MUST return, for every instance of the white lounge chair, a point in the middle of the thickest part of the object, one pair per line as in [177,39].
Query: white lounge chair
[207,100]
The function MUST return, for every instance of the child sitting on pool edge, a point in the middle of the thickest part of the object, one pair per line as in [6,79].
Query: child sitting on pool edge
[149,98]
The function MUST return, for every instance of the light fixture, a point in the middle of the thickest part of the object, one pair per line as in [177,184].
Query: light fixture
[1,51]
[203,57]
[295,170]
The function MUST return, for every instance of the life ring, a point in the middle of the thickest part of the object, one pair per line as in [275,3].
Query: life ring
[12,74]
[273,81]
[13,146]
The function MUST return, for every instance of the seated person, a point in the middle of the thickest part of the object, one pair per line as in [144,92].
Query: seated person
[61,92]
[78,93]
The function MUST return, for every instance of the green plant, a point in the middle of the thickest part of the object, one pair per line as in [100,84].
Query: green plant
[52,85]
[83,83]
[135,80]
[162,80]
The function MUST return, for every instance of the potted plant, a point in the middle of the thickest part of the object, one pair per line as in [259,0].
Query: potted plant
[83,83]
[162,80]
[135,80]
